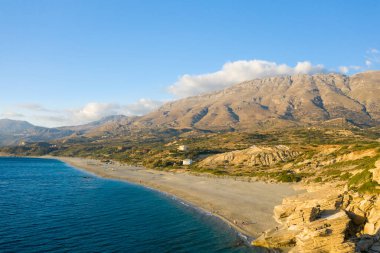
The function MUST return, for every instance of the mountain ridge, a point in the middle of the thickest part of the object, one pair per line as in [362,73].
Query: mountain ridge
[297,99]
[273,102]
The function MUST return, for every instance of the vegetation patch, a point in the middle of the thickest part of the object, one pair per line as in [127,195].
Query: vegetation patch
[360,178]
[288,176]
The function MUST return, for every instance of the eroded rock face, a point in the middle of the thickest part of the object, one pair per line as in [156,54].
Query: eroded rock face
[327,220]
[253,156]
[325,235]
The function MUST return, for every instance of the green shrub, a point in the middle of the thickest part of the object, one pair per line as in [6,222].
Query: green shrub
[370,186]
[288,176]
[360,178]
[345,176]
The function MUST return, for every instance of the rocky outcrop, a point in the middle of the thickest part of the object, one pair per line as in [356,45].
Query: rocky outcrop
[253,156]
[326,220]
[326,234]
[364,211]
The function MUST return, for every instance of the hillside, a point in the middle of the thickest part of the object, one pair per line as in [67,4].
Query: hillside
[276,102]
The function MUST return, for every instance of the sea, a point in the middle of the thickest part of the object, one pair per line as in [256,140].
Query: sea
[49,206]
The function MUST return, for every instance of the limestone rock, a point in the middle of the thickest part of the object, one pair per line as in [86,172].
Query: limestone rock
[325,235]
[369,229]
[374,215]
[276,239]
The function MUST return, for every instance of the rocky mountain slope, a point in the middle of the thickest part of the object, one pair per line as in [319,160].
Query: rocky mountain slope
[283,101]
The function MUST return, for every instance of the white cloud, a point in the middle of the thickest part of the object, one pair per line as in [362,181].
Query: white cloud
[374,51]
[40,115]
[12,115]
[33,107]
[235,72]
[372,57]
[347,69]
[344,69]
[94,111]
[141,107]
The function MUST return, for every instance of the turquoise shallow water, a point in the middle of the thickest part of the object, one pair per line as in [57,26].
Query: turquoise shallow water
[48,206]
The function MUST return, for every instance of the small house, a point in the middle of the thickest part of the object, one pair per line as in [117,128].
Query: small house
[183,148]
[187,162]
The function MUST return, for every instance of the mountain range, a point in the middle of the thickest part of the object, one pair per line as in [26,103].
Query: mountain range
[275,102]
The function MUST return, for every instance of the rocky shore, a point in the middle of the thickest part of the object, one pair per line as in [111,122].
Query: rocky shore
[326,219]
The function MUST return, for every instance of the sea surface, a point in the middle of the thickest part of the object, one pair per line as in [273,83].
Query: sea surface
[48,206]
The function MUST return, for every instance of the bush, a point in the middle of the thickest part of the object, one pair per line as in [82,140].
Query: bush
[369,187]
[345,176]
[360,178]
[288,176]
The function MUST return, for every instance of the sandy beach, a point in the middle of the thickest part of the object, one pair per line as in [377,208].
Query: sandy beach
[247,206]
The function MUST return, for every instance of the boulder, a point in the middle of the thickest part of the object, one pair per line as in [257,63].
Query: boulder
[283,211]
[369,229]
[374,215]
[276,239]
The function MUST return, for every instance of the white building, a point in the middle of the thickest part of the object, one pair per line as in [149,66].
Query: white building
[183,148]
[187,162]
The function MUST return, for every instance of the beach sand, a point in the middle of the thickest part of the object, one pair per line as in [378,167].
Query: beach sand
[247,206]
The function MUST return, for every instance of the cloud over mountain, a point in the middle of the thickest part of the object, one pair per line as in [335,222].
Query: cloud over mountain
[94,111]
[238,71]
[40,115]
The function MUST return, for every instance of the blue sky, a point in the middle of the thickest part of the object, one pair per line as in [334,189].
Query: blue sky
[73,61]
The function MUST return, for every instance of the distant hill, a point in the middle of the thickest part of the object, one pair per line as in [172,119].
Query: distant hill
[109,123]
[12,132]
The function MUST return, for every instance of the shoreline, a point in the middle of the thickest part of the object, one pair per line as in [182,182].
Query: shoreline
[247,207]
[238,230]
[248,211]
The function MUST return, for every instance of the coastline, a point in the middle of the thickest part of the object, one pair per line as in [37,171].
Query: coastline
[245,206]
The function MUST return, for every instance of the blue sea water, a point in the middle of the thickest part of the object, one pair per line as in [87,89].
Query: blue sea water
[48,206]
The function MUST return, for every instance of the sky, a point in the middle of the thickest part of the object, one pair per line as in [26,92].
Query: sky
[69,62]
